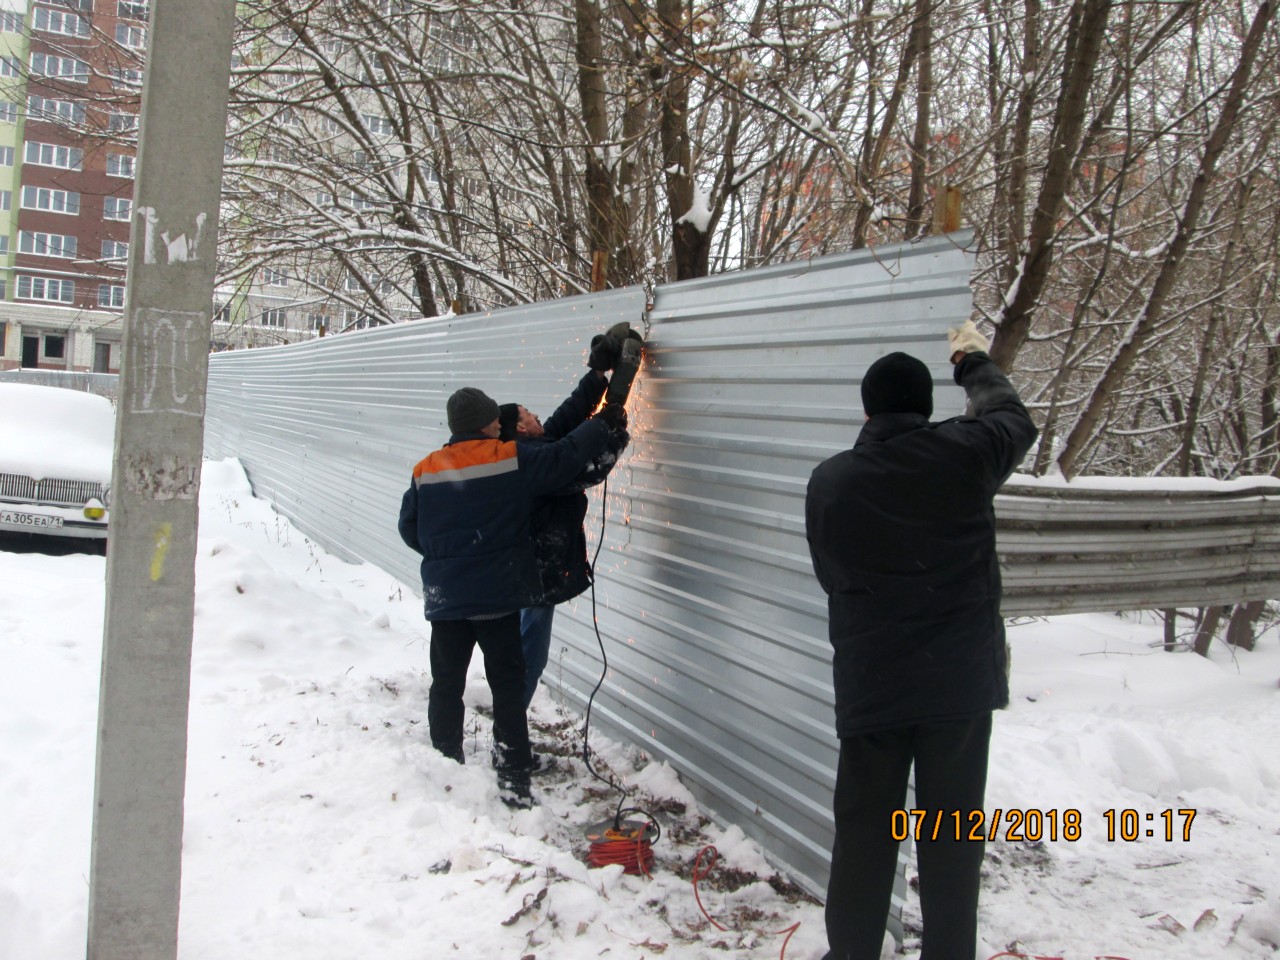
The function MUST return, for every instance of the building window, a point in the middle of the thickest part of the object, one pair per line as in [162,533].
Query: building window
[120,165]
[355,320]
[6,156]
[272,318]
[380,126]
[6,200]
[128,35]
[8,111]
[4,248]
[126,76]
[114,250]
[55,346]
[53,155]
[10,22]
[47,244]
[44,108]
[55,201]
[116,208]
[110,295]
[319,321]
[10,67]
[43,288]
[359,202]
[222,314]
[132,10]
[60,68]
[60,21]
[122,122]
[274,278]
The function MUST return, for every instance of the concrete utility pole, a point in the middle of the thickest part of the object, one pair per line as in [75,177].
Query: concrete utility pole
[146,660]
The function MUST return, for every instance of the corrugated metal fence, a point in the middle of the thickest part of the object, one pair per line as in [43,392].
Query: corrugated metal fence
[714,625]
[1099,544]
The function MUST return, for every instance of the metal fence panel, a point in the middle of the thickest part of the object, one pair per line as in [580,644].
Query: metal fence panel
[713,622]
[330,430]
[714,626]
[1100,544]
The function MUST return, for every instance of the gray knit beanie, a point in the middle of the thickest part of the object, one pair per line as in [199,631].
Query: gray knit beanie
[470,410]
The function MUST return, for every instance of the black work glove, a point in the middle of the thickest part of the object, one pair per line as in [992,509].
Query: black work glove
[618,441]
[605,351]
[613,415]
[606,348]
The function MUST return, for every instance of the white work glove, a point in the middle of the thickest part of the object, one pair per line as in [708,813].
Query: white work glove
[966,339]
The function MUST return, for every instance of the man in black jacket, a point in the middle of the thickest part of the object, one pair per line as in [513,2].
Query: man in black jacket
[902,534]
[559,540]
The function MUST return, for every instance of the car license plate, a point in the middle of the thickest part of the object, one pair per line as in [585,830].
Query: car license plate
[33,520]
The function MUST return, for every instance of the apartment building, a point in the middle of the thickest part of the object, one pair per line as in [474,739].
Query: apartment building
[70,89]
[70,84]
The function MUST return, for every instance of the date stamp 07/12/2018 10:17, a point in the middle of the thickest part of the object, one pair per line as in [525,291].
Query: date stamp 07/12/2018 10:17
[1034,824]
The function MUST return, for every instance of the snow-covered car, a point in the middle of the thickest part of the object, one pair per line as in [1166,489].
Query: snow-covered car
[56,447]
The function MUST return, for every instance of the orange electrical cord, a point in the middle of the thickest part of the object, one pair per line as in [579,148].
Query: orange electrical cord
[700,873]
[628,847]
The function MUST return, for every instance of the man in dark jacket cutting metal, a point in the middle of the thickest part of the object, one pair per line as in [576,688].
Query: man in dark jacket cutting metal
[559,540]
[901,529]
[467,512]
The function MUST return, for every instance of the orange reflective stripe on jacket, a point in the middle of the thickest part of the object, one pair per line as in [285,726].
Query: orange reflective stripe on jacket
[469,460]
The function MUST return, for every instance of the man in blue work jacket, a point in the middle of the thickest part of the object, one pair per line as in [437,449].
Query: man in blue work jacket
[467,512]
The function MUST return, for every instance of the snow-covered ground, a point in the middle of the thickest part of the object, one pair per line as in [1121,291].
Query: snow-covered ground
[321,825]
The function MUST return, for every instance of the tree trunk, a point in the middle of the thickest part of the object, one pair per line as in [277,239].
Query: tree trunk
[1270,400]
[1085,32]
[1170,629]
[1228,266]
[1016,222]
[599,179]
[1240,627]
[690,246]
[1171,267]
[916,223]
[875,154]
[1206,627]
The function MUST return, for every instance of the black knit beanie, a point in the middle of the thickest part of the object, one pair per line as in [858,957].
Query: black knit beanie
[897,383]
[508,415]
[470,410]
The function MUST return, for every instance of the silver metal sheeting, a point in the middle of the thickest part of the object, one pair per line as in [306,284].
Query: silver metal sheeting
[713,624]
[1104,545]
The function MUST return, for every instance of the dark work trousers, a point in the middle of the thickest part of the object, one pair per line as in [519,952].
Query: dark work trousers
[452,642]
[951,774]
